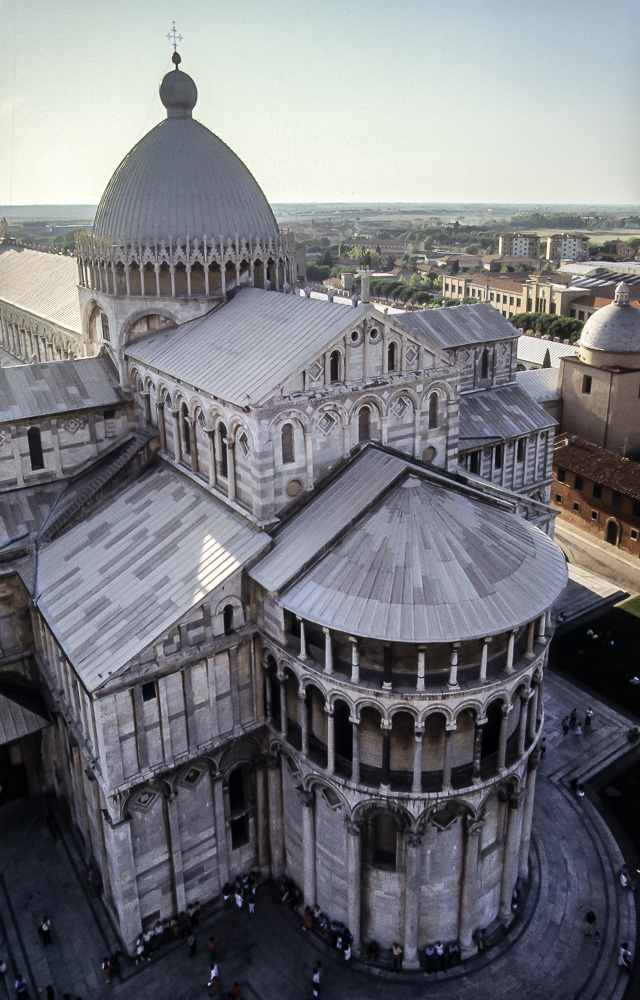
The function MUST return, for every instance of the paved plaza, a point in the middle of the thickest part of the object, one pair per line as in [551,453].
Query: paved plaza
[574,866]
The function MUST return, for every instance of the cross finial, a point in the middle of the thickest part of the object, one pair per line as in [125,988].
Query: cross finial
[173,36]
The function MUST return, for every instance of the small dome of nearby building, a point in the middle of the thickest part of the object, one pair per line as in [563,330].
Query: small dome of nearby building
[181,180]
[615,328]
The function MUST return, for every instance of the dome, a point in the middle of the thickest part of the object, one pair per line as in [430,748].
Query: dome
[614,328]
[428,564]
[181,180]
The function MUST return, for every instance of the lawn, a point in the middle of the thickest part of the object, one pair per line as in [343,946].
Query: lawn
[606,668]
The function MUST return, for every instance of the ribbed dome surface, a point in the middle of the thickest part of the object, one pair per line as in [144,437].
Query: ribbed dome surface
[614,328]
[181,180]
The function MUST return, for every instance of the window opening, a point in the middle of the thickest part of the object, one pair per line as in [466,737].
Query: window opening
[227,619]
[35,448]
[186,436]
[433,410]
[364,424]
[334,366]
[391,357]
[288,444]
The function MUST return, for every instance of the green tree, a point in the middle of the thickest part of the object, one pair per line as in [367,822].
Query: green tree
[546,363]
[454,267]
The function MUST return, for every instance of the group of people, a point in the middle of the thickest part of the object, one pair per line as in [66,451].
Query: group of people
[602,638]
[242,892]
[338,934]
[571,724]
[180,927]
[110,966]
[215,983]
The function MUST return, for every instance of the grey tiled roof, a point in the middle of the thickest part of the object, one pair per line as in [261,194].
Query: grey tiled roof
[533,350]
[427,562]
[243,350]
[539,383]
[458,326]
[17,721]
[57,387]
[181,180]
[130,570]
[23,511]
[45,284]
[502,413]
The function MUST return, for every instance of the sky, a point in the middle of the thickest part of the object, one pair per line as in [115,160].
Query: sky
[509,101]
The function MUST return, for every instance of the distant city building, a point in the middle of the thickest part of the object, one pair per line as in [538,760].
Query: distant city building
[519,245]
[511,294]
[598,491]
[532,352]
[567,246]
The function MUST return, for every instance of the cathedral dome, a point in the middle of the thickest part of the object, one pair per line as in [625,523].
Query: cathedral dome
[181,180]
[615,328]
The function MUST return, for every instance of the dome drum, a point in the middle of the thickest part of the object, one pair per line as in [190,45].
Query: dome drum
[188,268]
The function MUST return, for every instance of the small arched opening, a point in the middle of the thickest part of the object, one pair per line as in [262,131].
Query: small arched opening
[186,430]
[334,366]
[612,532]
[36,456]
[364,423]
[227,619]
[433,410]
[288,444]
[392,356]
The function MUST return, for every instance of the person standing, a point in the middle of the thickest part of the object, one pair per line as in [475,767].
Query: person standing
[106,969]
[22,990]
[573,718]
[44,930]
[566,725]
[396,956]
[578,730]
[625,959]
[315,980]
[589,923]
[588,715]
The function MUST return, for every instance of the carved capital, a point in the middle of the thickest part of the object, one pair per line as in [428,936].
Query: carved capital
[474,825]
[412,840]
[516,798]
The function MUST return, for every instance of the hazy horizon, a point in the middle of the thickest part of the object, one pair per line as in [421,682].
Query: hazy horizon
[356,102]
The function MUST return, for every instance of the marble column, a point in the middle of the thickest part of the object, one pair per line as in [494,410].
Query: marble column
[453,668]
[211,436]
[354,871]
[468,893]
[231,468]
[177,444]
[302,655]
[522,724]
[531,714]
[386,667]
[412,844]
[502,739]
[262,809]
[477,752]
[510,650]
[331,740]
[176,853]
[539,703]
[385,781]
[484,658]
[355,749]
[542,622]
[282,681]
[328,651]
[446,759]
[193,444]
[146,402]
[421,668]
[531,636]
[304,722]
[221,829]
[309,848]
[416,786]
[510,862]
[355,660]
[527,817]
[276,818]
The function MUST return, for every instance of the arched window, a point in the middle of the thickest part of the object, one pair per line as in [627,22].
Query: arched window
[433,410]
[288,445]
[186,437]
[227,619]
[224,464]
[383,842]
[364,424]
[35,448]
[334,366]
[484,364]
[392,360]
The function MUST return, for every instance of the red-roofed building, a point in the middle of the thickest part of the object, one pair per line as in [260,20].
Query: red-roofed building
[598,491]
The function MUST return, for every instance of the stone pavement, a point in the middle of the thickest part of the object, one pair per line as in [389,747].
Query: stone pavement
[574,865]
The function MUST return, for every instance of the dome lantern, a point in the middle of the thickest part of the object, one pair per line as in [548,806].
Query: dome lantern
[178,92]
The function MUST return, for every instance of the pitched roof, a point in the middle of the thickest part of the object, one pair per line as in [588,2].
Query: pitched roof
[17,720]
[38,390]
[45,284]
[539,383]
[244,349]
[534,349]
[129,571]
[597,464]
[499,414]
[457,326]
[417,559]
